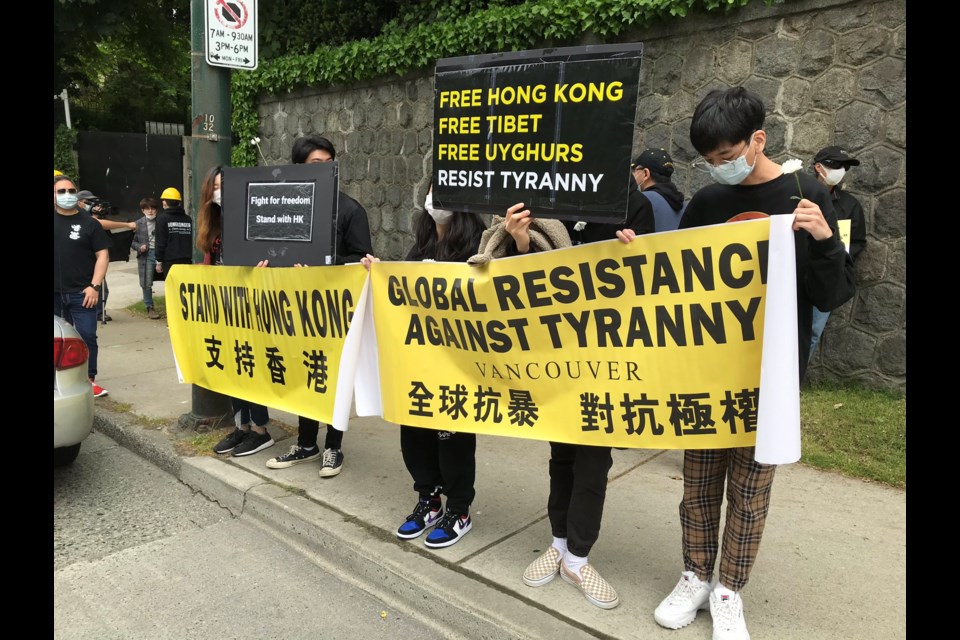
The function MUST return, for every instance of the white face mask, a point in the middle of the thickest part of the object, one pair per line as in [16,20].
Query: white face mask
[832,177]
[440,216]
[150,215]
[216,196]
[66,200]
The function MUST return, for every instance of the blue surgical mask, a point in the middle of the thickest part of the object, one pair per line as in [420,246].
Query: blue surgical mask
[66,200]
[734,172]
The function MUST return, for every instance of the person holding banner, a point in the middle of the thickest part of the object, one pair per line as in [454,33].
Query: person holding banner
[578,473]
[440,462]
[250,433]
[352,244]
[727,131]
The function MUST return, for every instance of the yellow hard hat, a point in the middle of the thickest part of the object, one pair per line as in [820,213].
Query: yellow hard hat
[57,173]
[170,194]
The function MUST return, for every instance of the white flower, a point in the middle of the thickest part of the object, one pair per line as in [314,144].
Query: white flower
[793,165]
[257,141]
[579,226]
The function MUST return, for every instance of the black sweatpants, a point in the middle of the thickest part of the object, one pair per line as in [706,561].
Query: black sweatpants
[308,429]
[578,488]
[441,462]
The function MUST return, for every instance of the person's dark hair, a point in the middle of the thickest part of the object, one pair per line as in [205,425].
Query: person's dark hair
[305,145]
[149,202]
[658,177]
[460,241]
[61,178]
[209,215]
[725,116]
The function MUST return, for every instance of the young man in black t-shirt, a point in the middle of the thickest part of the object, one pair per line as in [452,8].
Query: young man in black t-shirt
[80,259]
[727,131]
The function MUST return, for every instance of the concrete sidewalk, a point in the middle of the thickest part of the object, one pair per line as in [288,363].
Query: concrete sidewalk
[832,563]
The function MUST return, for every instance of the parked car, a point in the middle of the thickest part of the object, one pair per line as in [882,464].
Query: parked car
[72,393]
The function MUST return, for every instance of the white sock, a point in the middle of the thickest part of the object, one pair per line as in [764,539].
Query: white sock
[560,544]
[573,563]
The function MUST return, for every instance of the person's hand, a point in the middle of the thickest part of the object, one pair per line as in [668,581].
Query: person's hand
[132,226]
[367,260]
[517,223]
[263,263]
[626,235]
[159,268]
[142,248]
[301,265]
[90,297]
[808,216]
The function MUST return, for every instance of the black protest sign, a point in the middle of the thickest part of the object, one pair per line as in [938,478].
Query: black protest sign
[285,214]
[551,128]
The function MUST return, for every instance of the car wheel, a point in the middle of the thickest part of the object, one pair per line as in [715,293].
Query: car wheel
[65,455]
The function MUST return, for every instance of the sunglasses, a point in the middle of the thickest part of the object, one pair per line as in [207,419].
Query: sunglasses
[63,191]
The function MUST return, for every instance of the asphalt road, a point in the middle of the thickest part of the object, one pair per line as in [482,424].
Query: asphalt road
[138,554]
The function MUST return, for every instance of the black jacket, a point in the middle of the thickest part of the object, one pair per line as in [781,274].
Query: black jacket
[174,237]
[353,231]
[639,218]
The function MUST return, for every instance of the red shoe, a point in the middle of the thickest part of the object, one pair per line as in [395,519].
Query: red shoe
[98,391]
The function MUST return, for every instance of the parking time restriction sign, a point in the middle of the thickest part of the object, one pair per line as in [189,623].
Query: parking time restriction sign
[231,33]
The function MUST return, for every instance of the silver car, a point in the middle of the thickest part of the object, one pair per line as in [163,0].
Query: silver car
[72,393]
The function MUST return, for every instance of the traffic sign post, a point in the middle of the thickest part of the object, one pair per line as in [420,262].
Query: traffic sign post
[230,33]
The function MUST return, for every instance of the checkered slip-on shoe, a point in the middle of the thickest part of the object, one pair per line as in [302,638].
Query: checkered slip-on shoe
[594,588]
[543,569]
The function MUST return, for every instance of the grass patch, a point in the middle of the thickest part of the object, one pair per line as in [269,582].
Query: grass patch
[201,444]
[159,304]
[856,432]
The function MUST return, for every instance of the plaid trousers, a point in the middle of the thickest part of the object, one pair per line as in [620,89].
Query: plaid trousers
[748,485]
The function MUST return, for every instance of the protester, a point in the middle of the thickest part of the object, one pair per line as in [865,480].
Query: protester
[831,165]
[440,462]
[578,473]
[144,240]
[352,244]
[727,131]
[80,260]
[250,434]
[174,234]
[652,170]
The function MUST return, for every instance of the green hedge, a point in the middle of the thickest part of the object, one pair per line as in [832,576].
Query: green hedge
[534,24]
[64,140]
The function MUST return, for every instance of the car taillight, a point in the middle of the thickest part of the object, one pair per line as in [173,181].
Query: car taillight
[69,352]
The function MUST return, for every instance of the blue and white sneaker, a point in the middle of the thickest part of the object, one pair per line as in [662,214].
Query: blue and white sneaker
[450,529]
[426,514]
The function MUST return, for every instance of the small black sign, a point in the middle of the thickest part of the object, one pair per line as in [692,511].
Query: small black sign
[285,214]
[552,128]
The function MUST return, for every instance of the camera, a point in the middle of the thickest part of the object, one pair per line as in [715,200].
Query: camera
[101,208]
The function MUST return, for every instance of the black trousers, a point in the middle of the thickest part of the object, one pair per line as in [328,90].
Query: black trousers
[308,429]
[250,412]
[441,462]
[578,488]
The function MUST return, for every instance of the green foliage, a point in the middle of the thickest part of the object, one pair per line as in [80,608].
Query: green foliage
[425,31]
[64,140]
[856,432]
[123,61]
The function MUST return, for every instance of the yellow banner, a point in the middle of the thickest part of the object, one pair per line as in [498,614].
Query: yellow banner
[271,336]
[652,344]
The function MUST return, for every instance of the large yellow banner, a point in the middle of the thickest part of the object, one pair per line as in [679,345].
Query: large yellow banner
[271,336]
[652,344]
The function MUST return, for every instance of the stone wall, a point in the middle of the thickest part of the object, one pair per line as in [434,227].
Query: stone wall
[830,72]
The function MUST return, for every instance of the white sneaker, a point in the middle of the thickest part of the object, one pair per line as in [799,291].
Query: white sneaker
[687,598]
[726,608]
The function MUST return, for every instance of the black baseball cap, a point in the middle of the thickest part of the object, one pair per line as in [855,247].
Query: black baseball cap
[657,160]
[835,155]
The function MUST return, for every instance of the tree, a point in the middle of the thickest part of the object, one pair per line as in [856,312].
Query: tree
[123,61]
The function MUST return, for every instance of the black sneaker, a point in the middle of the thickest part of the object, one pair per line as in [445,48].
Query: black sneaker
[296,455]
[232,440]
[425,515]
[332,463]
[450,529]
[253,442]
